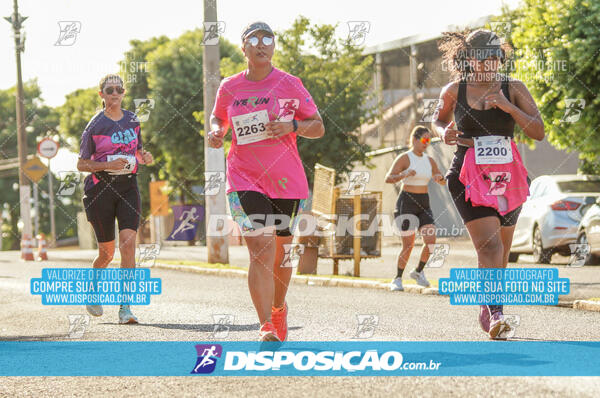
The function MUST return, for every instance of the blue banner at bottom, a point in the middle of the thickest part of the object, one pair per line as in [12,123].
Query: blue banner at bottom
[308,358]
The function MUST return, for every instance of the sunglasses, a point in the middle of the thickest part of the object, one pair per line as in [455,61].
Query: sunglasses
[425,140]
[266,40]
[109,90]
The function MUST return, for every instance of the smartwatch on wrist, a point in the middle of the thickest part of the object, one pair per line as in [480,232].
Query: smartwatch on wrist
[295,123]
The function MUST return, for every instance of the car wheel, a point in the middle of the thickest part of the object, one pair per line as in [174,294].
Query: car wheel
[590,259]
[513,257]
[540,255]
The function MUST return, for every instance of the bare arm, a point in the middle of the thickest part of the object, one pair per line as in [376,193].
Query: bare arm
[94,166]
[443,123]
[436,173]
[399,170]
[526,113]
[312,127]
[218,130]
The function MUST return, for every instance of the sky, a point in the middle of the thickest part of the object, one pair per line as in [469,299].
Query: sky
[107,26]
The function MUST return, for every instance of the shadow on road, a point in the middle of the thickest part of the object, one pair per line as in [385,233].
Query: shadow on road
[208,327]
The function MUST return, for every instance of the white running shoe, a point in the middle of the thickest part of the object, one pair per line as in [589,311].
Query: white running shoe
[125,315]
[94,310]
[419,277]
[396,285]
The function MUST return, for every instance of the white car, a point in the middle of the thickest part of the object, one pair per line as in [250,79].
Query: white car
[549,220]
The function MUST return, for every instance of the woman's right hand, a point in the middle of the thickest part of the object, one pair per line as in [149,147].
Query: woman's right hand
[450,134]
[117,164]
[215,138]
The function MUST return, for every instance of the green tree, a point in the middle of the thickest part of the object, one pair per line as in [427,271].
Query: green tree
[135,69]
[176,85]
[556,45]
[79,107]
[338,77]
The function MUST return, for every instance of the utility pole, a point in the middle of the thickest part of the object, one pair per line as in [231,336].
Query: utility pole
[16,21]
[217,246]
[413,86]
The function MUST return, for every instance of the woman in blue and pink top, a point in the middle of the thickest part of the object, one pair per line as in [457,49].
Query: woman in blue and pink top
[266,109]
[111,150]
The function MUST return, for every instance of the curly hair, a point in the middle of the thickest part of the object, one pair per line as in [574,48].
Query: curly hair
[456,48]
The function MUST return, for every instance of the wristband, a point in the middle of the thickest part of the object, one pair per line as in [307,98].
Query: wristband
[295,123]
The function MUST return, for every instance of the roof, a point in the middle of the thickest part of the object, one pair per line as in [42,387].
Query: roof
[423,37]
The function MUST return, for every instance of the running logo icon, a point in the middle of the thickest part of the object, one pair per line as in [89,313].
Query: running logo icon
[498,182]
[367,323]
[214,180]
[439,252]
[212,31]
[513,322]
[287,109]
[187,218]
[222,325]
[207,358]
[148,254]
[501,29]
[68,183]
[573,110]
[431,109]
[291,255]
[579,254]
[143,106]
[357,31]
[68,33]
[357,182]
[78,323]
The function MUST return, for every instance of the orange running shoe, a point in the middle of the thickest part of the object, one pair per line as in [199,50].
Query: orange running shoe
[279,318]
[268,332]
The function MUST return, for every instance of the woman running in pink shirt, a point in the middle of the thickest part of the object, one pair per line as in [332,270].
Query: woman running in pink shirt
[266,109]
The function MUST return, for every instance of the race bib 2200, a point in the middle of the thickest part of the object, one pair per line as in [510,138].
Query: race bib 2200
[493,149]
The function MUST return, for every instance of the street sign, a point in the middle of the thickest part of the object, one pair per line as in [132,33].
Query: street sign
[47,148]
[159,199]
[34,169]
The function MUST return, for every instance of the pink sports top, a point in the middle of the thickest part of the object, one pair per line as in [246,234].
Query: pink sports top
[271,166]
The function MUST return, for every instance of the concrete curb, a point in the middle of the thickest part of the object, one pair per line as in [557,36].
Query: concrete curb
[301,279]
[587,305]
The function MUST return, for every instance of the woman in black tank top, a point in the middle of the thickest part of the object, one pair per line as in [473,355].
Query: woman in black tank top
[481,102]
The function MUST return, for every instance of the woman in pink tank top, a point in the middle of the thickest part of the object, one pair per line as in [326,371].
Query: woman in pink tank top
[267,109]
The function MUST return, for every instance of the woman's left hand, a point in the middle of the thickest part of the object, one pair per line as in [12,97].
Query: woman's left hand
[498,100]
[147,157]
[278,129]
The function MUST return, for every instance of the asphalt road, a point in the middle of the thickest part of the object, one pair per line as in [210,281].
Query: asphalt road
[184,312]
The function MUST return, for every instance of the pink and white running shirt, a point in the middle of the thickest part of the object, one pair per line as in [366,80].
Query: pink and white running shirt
[271,166]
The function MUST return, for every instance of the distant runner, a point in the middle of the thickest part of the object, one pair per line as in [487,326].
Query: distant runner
[415,169]
[111,149]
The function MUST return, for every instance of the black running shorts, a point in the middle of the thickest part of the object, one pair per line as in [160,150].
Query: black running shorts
[253,210]
[113,197]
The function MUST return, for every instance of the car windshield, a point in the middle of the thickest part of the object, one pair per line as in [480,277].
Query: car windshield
[579,186]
